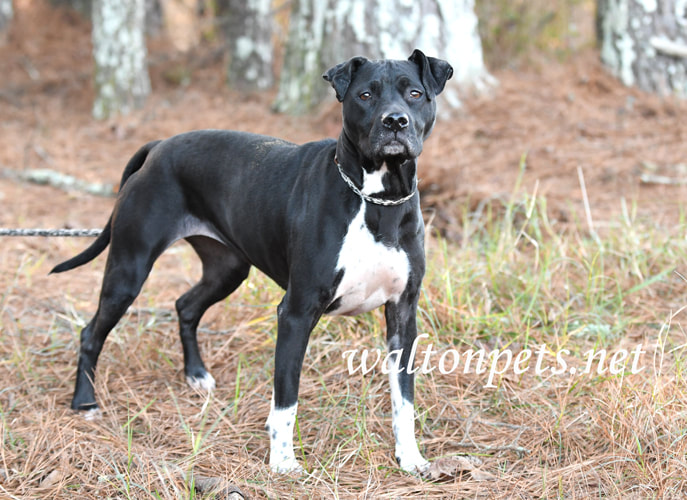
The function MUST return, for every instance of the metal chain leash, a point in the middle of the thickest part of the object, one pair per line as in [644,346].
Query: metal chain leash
[4,231]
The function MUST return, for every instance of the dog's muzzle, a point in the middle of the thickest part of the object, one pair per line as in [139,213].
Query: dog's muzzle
[395,136]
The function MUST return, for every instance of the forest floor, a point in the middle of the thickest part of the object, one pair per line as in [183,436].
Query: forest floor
[556,208]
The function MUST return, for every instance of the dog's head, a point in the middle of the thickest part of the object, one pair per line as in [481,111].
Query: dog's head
[389,106]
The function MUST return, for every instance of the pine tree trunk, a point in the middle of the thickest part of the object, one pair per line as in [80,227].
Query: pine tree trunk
[324,33]
[249,32]
[119,50]
[644,43]
[300,85]
[6,14]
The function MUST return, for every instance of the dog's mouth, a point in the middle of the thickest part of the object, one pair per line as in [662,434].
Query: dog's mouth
[394,148]
[395,145]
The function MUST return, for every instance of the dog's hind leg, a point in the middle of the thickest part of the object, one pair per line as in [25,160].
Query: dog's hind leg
[125,272]
[223,272]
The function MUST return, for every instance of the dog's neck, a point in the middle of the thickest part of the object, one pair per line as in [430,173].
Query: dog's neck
[391,178]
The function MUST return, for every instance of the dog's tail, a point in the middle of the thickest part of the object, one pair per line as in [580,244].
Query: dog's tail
[101,242]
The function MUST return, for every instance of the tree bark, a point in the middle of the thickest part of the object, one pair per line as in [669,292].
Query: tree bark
[300,84]
[6,14]
[644,43]
[121,74]
[324,33]
[249,33]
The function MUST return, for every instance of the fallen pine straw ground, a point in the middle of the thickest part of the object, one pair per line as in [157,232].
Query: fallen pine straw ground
[516,282]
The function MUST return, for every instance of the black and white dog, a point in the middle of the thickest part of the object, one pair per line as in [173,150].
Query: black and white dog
[336,224]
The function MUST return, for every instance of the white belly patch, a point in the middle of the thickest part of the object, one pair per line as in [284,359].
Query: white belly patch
[373,273]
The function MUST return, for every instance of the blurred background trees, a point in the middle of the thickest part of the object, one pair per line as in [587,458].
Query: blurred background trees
[325,32]
[249,28]
[119,51]
[6,13]
[644,43]
[285,45]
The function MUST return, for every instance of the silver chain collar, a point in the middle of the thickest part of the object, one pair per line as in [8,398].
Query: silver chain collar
[372,199]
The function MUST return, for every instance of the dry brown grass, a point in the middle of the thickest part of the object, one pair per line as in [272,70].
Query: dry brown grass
[539,436]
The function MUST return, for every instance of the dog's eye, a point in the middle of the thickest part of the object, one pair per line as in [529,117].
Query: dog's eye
[415,94]
[365,96]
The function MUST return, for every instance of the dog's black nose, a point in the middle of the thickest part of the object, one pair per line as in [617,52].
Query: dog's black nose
[395,121]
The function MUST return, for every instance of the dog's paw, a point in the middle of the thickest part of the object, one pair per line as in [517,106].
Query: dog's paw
[287,465]
[413,464]
[92,414]
[205,383]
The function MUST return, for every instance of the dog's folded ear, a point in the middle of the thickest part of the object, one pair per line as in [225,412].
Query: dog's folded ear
[341,75]
[433,72]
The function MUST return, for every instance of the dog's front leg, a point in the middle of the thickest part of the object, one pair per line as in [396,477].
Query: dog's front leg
[295,322]
[401,334]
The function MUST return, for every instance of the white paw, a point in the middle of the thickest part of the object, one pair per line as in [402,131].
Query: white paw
[417,466]
[280,426]
[286,465]
[410,459]
[93,414]
[204,384]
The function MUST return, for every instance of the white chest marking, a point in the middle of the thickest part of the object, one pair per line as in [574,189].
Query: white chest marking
[372,183]
[373,273]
